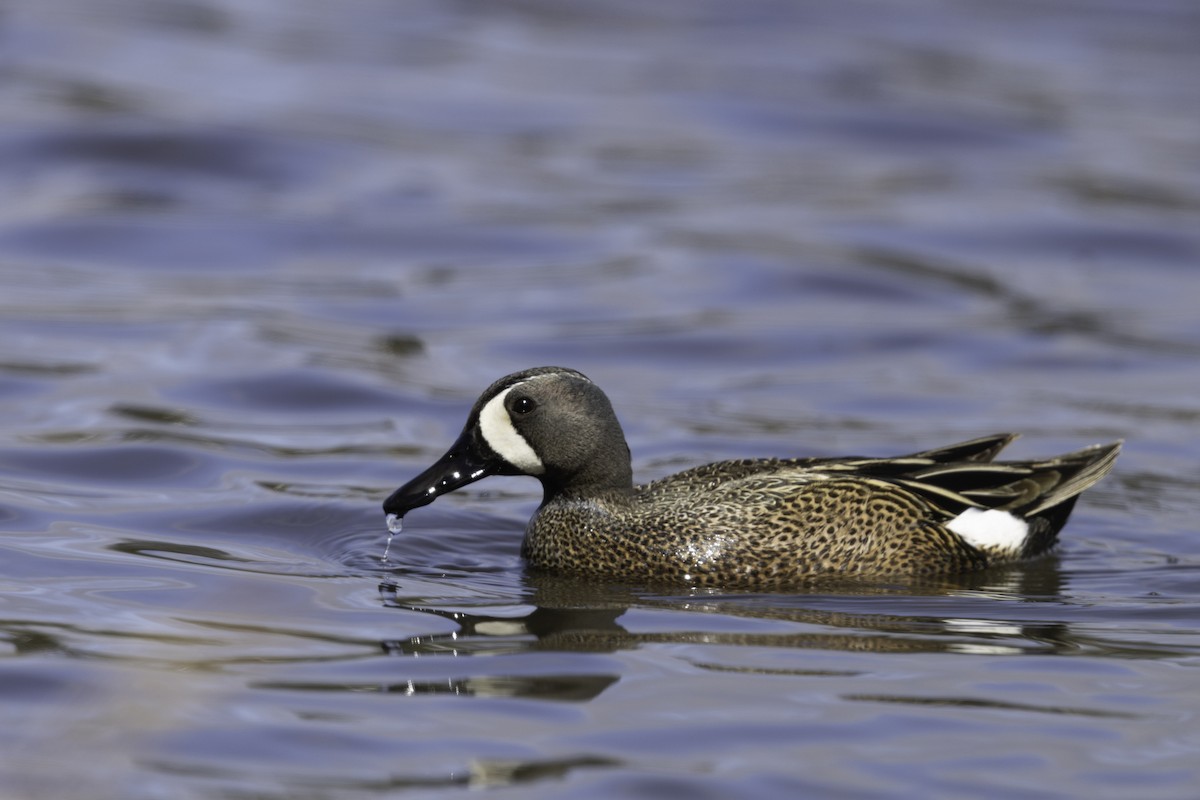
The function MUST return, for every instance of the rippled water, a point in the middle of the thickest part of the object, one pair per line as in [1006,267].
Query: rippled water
[258,258]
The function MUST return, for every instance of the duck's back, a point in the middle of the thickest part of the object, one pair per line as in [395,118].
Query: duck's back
[770,522]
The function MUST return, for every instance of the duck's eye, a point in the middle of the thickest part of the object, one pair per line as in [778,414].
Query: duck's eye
[523,405]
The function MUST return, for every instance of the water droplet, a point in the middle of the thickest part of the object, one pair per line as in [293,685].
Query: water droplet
[394,526]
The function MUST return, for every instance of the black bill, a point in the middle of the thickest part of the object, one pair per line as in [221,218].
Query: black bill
[465,462]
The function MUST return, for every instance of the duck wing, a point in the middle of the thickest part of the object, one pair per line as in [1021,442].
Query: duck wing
[1042,493]
[985,448]
[918,513]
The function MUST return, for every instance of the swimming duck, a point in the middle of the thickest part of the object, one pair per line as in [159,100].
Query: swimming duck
[752,522]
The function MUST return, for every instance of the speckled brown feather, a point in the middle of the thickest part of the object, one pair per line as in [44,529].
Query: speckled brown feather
[774,522]
[766,529]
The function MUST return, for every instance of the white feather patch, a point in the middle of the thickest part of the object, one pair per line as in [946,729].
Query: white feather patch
[496,426]
[990,529]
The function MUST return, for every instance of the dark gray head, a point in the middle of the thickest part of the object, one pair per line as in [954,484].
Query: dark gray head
[549,422]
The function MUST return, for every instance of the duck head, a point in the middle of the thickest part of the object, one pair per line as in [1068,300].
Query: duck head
[551,423]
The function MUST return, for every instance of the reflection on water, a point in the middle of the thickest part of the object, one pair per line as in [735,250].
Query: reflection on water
[568,616]
[256,262]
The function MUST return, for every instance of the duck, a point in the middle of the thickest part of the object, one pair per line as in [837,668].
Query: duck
[748,523]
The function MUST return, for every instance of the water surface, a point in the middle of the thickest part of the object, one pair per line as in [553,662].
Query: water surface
[257,260]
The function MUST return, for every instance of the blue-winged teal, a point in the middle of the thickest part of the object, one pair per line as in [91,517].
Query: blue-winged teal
[754,522]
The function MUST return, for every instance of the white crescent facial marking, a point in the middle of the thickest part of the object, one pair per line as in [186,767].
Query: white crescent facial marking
[990,529]
[496,426]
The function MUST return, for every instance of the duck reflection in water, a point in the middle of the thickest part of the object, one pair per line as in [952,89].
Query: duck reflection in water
[571,616]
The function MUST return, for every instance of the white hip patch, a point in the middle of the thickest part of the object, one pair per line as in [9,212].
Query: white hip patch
[498,431]
[990,529]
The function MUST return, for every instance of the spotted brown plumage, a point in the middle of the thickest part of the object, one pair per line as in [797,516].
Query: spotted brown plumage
[751,522]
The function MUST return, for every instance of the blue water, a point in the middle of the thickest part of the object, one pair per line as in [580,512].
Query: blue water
[257,259]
